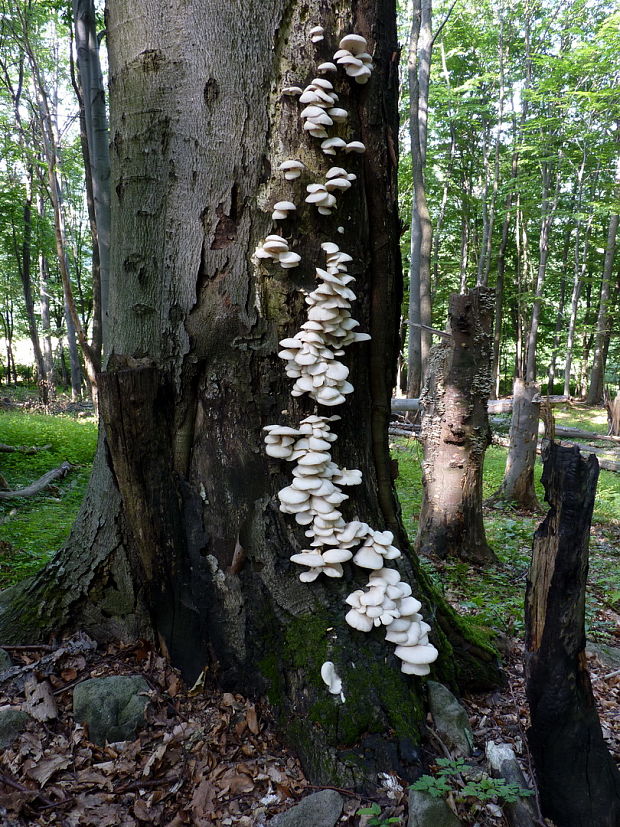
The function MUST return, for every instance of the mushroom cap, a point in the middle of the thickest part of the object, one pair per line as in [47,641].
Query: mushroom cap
[328,66]
[273,246]
[289,259]
[419,669]
[355,146]
[331,678]
[367,558]
[291,164]
[333,143]
[291,90]
[337,555]
[322,83]
[307,558]
[284,206]
[358,620]
[293,496]
[417,654]
[354,43]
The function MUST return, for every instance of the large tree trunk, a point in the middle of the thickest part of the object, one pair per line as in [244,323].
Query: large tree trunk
[185,538]
[518,483]
[578,781]
[456,433]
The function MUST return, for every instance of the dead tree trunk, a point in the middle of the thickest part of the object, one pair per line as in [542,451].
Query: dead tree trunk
[578,780]
[456,433]
[518,483]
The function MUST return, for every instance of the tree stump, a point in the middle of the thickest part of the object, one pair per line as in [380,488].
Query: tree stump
[518,483]
[613,413]
[456,432]
[578,780]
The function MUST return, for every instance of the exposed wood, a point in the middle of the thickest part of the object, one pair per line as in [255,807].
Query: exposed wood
[613,414]
[456,433]
[38,486]
[578,433]
[578,781]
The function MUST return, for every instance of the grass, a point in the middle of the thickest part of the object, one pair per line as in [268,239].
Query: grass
[35,527]
[496,594]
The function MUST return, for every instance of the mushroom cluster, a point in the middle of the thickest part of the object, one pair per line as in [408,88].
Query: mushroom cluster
[388,602]
[353,56]
[311,354]
[276,247]
[315,494]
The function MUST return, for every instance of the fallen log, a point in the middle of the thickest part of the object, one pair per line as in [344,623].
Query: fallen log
[38,485]
[23,449]
[604,462]
[577,433]
[578,781]
[495,406]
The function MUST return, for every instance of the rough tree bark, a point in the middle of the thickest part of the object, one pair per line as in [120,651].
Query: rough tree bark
[518,483]
[578,781]
[456,432]
[182,538]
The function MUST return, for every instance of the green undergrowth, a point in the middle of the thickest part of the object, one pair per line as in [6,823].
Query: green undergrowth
[495,595]
[31,529]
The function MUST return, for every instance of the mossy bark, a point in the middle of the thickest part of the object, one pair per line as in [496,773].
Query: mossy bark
[180,536]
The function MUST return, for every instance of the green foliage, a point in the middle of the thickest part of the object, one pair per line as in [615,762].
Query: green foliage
[36,527]
[376,820]
[447,779]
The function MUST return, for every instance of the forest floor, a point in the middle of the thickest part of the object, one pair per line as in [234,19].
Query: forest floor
[210,758]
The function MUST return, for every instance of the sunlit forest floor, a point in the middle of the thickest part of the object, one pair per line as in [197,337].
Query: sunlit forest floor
[208,757]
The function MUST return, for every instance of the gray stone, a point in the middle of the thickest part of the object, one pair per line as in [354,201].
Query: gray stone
[5,660]
[503,763]
[12,722]
[451,720]
[426,811]
[609,656]
[321,809]
[111,707]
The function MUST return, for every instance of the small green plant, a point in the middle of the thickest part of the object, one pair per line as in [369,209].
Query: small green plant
[481,789]
[376,821]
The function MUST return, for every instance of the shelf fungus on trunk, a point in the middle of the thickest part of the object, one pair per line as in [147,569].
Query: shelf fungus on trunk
[315,495]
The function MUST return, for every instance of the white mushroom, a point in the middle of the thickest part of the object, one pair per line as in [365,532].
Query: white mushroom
[330,145]
[331,678]
[281,209]
[328,66]
[289,260]
[353,43]
[316,34]
[291,169]
[355,146]
[292,90]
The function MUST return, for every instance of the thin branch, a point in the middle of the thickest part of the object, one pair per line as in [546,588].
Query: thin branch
[443,23]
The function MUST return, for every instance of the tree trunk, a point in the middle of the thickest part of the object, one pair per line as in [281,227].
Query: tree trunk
[456,433]
[46,328]
[96,123]
[185,539]
[518,483]
[74,355]
[578,781]
[597,377]
[420,48]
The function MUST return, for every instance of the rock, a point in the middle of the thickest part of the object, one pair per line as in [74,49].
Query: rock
[609,656]
[426,811]
[450,719]
[5,660]
[320,809]
[503,764]
[111,707]
[12,722]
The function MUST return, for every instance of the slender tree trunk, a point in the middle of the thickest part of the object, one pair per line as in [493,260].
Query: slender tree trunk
[456,433]
[578,781]
[184,539]
[499,303]
[420,49]
[597,377]
[74,355]
[97,159]
[543,250]
[24,261]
